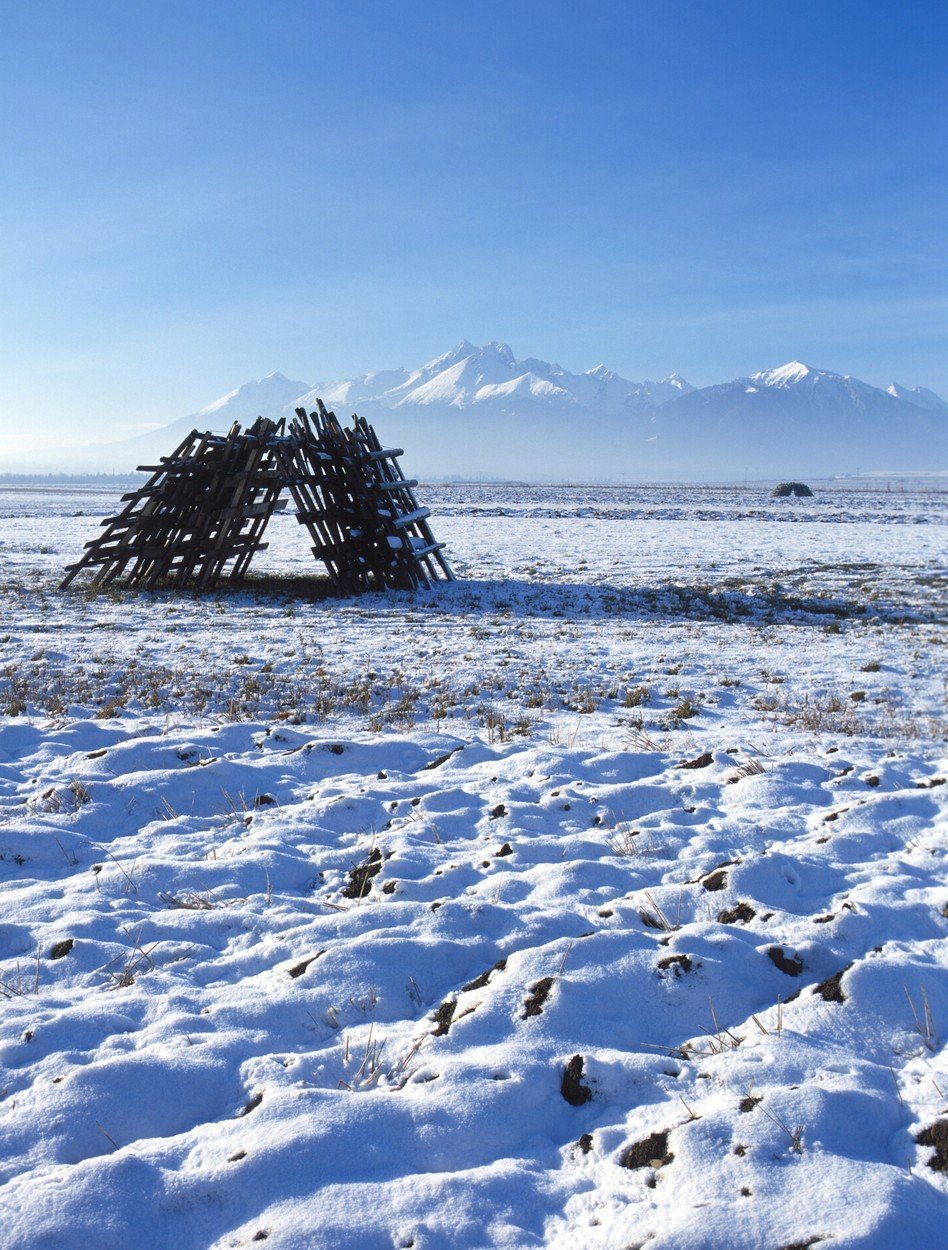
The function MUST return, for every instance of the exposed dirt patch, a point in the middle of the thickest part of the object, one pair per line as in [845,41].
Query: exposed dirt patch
[360,878]
[298,969]
[443,1017]
[572,1087]
[480,981]
[716,880]
[498,811]
[585,1143]
[749,1103]
[788,964]
[539,993]
[651,1152]
[62,948]
[831,990]
[700,761]
[252,1105]
[936,1136]
[442,759]
[681,963]
[506,849]
[740,913]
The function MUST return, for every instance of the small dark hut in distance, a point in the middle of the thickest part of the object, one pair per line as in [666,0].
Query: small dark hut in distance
[201,516]
[788,490]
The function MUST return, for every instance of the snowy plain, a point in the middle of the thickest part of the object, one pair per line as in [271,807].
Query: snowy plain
[596,900]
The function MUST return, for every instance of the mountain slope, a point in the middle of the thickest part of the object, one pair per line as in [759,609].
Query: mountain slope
[795,419]
[478,411]
[491,378]
[921,396]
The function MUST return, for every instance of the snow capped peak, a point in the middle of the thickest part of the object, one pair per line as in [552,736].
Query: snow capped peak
[920,396]
[500,350]
[491,376]
[489,379]
[678,382]
[788,375]
[263,396]
[460,351]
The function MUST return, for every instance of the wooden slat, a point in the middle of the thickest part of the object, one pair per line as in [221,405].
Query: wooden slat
[202,513]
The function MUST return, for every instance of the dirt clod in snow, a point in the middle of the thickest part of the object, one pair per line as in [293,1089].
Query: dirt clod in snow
[572,1087]
[716,880]
[789,964]
[360,878]
[298,969]
[61,948]
[442,759]
[831,990]
[480,981]
[539,993]
[251,1105]
[741,913]
[700,761]
[498,811]
[651,1152]
[936,1135]
[443,1017]
[681,963]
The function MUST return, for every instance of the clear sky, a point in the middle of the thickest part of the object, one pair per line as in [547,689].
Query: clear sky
[196,192]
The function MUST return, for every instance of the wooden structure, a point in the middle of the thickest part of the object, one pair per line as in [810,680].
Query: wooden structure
[202,513]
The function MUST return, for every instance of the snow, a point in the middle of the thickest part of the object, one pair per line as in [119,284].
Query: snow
[470,377]
[786,375]
[473,409]
[310,904]
[249,401]
[921,396]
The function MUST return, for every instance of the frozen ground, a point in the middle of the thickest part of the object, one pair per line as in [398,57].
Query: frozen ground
[595,901]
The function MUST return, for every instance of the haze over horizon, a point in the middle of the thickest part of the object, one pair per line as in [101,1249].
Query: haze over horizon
[198,195]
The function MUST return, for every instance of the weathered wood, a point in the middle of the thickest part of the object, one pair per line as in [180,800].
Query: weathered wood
[202,513]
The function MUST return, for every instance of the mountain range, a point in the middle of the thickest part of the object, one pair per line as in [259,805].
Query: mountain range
[478,411]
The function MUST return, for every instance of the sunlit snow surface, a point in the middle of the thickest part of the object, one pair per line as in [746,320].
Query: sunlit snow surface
[250,1039]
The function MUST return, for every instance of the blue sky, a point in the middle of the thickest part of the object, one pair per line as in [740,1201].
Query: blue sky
[194,194]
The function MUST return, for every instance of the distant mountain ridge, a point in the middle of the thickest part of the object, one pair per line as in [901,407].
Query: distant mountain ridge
[481,411]
[473,377]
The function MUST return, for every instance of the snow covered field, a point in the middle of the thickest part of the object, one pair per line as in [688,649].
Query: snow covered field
[597,900]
